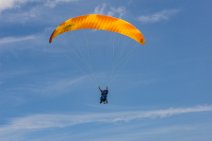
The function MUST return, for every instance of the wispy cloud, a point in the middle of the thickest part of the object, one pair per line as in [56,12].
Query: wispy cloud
[61,85]
[158,16]
[29,10]
[19,127]
[7,40]
[49,87]
[54,3]
[9,4]
[110,10]
[64,120]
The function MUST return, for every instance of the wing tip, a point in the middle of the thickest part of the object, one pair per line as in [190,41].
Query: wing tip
[51,37]
[142,41]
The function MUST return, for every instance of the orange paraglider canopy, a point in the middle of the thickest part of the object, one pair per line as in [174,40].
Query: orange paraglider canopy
[99,22]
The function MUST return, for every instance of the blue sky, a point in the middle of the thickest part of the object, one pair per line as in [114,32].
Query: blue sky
[160,91]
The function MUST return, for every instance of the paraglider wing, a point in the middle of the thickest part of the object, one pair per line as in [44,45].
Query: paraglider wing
[99,22]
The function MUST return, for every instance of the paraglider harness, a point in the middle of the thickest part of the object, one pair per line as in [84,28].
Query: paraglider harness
[103,98]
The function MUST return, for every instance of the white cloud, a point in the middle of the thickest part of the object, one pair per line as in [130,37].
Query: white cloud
[19,127]
[43,121]
[100,8]
[8,4]
[158,17]
[31,11]
[61,85]
[7,40]
[54,3]
[110,10]
[51,88]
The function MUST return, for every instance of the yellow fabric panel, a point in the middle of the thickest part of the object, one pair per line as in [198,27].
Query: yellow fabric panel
[99,22]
